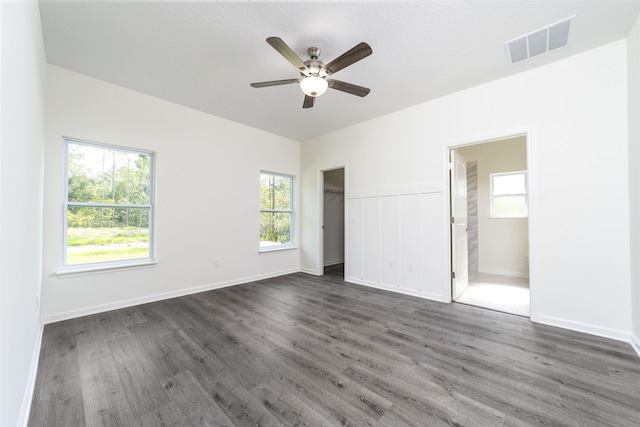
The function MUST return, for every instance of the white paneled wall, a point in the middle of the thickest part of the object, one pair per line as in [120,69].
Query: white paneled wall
[388,227]
[567,109]
[354,243]
[370,245]
[391,238]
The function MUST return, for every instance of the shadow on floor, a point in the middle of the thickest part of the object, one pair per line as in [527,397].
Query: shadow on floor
[334,270]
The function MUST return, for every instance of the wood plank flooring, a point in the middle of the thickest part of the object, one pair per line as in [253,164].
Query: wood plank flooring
[301,350]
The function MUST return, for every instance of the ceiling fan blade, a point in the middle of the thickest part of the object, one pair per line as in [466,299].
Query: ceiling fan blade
[351,56]
[308,101]
[290,55]
[275,83]
[348,88]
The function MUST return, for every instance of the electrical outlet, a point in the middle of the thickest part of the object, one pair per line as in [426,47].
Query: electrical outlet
[390,265]
[216,262]
[410,267]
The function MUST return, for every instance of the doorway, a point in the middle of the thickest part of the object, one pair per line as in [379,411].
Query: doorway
[333,222]
[490,226]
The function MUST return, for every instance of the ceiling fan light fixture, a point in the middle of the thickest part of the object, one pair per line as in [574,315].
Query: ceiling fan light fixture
[313,86]
[313,72]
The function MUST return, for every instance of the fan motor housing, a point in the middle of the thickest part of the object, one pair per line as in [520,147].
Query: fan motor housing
[314,64]
[314,52]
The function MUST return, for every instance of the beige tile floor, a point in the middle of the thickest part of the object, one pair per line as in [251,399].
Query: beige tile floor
[500,293]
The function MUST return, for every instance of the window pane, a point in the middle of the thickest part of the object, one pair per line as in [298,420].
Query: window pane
[509,184]
[275,228]
[107,234]
[509,206]
[103,175]
[275,192]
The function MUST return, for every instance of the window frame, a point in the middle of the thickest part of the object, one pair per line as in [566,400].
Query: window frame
[493,196]
[290,211]
[115,264]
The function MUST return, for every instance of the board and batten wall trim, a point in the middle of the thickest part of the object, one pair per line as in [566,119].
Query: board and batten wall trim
[394,239]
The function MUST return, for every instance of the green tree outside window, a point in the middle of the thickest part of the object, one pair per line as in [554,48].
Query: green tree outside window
[108,203]
[276,209]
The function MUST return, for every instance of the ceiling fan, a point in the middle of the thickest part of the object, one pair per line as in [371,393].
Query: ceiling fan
[313,73]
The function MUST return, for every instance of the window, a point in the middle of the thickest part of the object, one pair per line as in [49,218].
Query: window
[509,195]
[109,205]
[276,211]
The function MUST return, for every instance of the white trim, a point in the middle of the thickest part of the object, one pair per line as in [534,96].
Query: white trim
[161,296]
[530,224]
[320,225]
[405,291]
[504,273]
[320,217]
[584,327]
[29,391]
[507,134]
[291,211]
[397,190]
[311,272]
[493,196]
[276,248]
[89,269]
[635,343]
[447,284]
[503,218]
[66,204]
[333,262]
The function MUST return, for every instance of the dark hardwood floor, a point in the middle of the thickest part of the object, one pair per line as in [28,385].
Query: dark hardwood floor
[303,350]
[336,270]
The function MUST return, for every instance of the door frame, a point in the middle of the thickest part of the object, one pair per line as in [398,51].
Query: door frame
[320,230]
[446,208]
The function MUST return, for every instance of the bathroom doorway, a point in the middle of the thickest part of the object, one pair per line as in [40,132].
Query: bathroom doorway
[494,229]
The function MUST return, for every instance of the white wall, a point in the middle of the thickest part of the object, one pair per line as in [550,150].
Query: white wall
[207,195]
[576,113]
[22,79]
[633,50]
[503,243]
[333,246]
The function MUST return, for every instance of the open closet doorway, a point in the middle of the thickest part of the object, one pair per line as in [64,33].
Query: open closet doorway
[333,222]
[494,227]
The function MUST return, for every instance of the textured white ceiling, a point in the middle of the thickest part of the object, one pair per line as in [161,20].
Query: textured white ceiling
[204,55]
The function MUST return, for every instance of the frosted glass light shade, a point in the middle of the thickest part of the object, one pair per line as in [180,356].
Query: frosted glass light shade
[313,86]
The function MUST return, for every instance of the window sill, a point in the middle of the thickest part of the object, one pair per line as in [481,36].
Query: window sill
[268,249]
[89,270]
[508,217]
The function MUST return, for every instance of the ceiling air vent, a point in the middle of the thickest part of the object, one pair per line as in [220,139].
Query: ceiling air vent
[539,41]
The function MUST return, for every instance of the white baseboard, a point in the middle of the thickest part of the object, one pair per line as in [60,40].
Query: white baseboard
[504,273]
[158,297]
[584,327]
[334,262]
[635,343]
[25,410]
[405,291]
[311,271]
